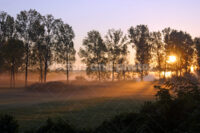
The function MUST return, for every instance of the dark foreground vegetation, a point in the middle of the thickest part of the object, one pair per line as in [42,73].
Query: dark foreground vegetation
[176,110]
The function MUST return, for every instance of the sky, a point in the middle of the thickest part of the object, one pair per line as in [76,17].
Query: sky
[101,15]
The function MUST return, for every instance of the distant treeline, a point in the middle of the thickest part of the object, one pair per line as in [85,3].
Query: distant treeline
[32,41]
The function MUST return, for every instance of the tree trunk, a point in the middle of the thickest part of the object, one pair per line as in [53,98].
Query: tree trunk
[41,72]
[14,76]
[113,67]
[67,72]
[99,72]
[45,70]
[46,63]
[165,69]
[142,73]
[11,78]
[26,67]
[67,67]
[159,73]
[124,74]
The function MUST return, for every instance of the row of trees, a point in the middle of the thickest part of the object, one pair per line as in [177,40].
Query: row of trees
[34,41]
[152,49]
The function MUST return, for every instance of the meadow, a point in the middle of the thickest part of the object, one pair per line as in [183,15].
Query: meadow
[84,104]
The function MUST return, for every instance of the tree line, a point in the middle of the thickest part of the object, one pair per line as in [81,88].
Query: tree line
[33,41]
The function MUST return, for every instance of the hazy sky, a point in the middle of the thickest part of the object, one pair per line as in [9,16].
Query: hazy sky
[85,15]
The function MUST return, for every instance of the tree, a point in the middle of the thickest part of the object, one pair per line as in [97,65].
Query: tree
[180,44]
[38,49]
[197,45]
[117,48]
[25,27]
[158,50]
[50,40]
[6,26]
[13,54]
[65,51]
[7,30]
[140,36]
[93,54]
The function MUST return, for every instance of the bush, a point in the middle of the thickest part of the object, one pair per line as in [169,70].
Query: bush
[8,124]
[59,126]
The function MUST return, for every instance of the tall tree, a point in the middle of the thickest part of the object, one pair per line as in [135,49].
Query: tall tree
[13,54]
[7,31]
[25,27]
[50,40]
[181,45]
[140,36]
[117,48]
[65,51]
[158,50]
[38,49]
[93,54]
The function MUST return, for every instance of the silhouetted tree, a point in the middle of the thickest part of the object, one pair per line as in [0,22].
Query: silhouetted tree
[7,27]
[38,49]
[65,51]
[117,48]
[50,40]
[7,31]
[181,45]
[13,54]
[197,44]
[140,36]
[93,54]
[25,27]
[158,50]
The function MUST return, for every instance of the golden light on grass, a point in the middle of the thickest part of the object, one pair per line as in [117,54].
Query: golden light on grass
[172,59]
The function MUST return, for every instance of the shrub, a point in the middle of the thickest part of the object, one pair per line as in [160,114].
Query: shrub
[8,124]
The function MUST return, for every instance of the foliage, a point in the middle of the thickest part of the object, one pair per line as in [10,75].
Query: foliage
[171,115]
[93,54]
[197,45]
[181,45]
[184,85]
[8,124]
[117,46]
[7,28]
[27,23]
[65,51]
[140,36]
[12,52]
[158,51]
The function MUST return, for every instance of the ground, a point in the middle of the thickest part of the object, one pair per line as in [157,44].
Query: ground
[84,104]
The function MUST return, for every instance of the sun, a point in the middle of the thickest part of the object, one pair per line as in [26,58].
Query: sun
[171,59]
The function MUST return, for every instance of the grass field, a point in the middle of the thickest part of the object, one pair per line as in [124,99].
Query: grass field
[83,104]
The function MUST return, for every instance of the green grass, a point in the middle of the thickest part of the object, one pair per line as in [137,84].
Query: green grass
[84,105]
[80,113]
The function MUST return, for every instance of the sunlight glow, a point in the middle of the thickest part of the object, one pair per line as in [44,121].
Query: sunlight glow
[167,74]
[171,59]
[192,69]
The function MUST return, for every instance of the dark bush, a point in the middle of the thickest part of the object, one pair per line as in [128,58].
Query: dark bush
[8,124]
[59,126]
